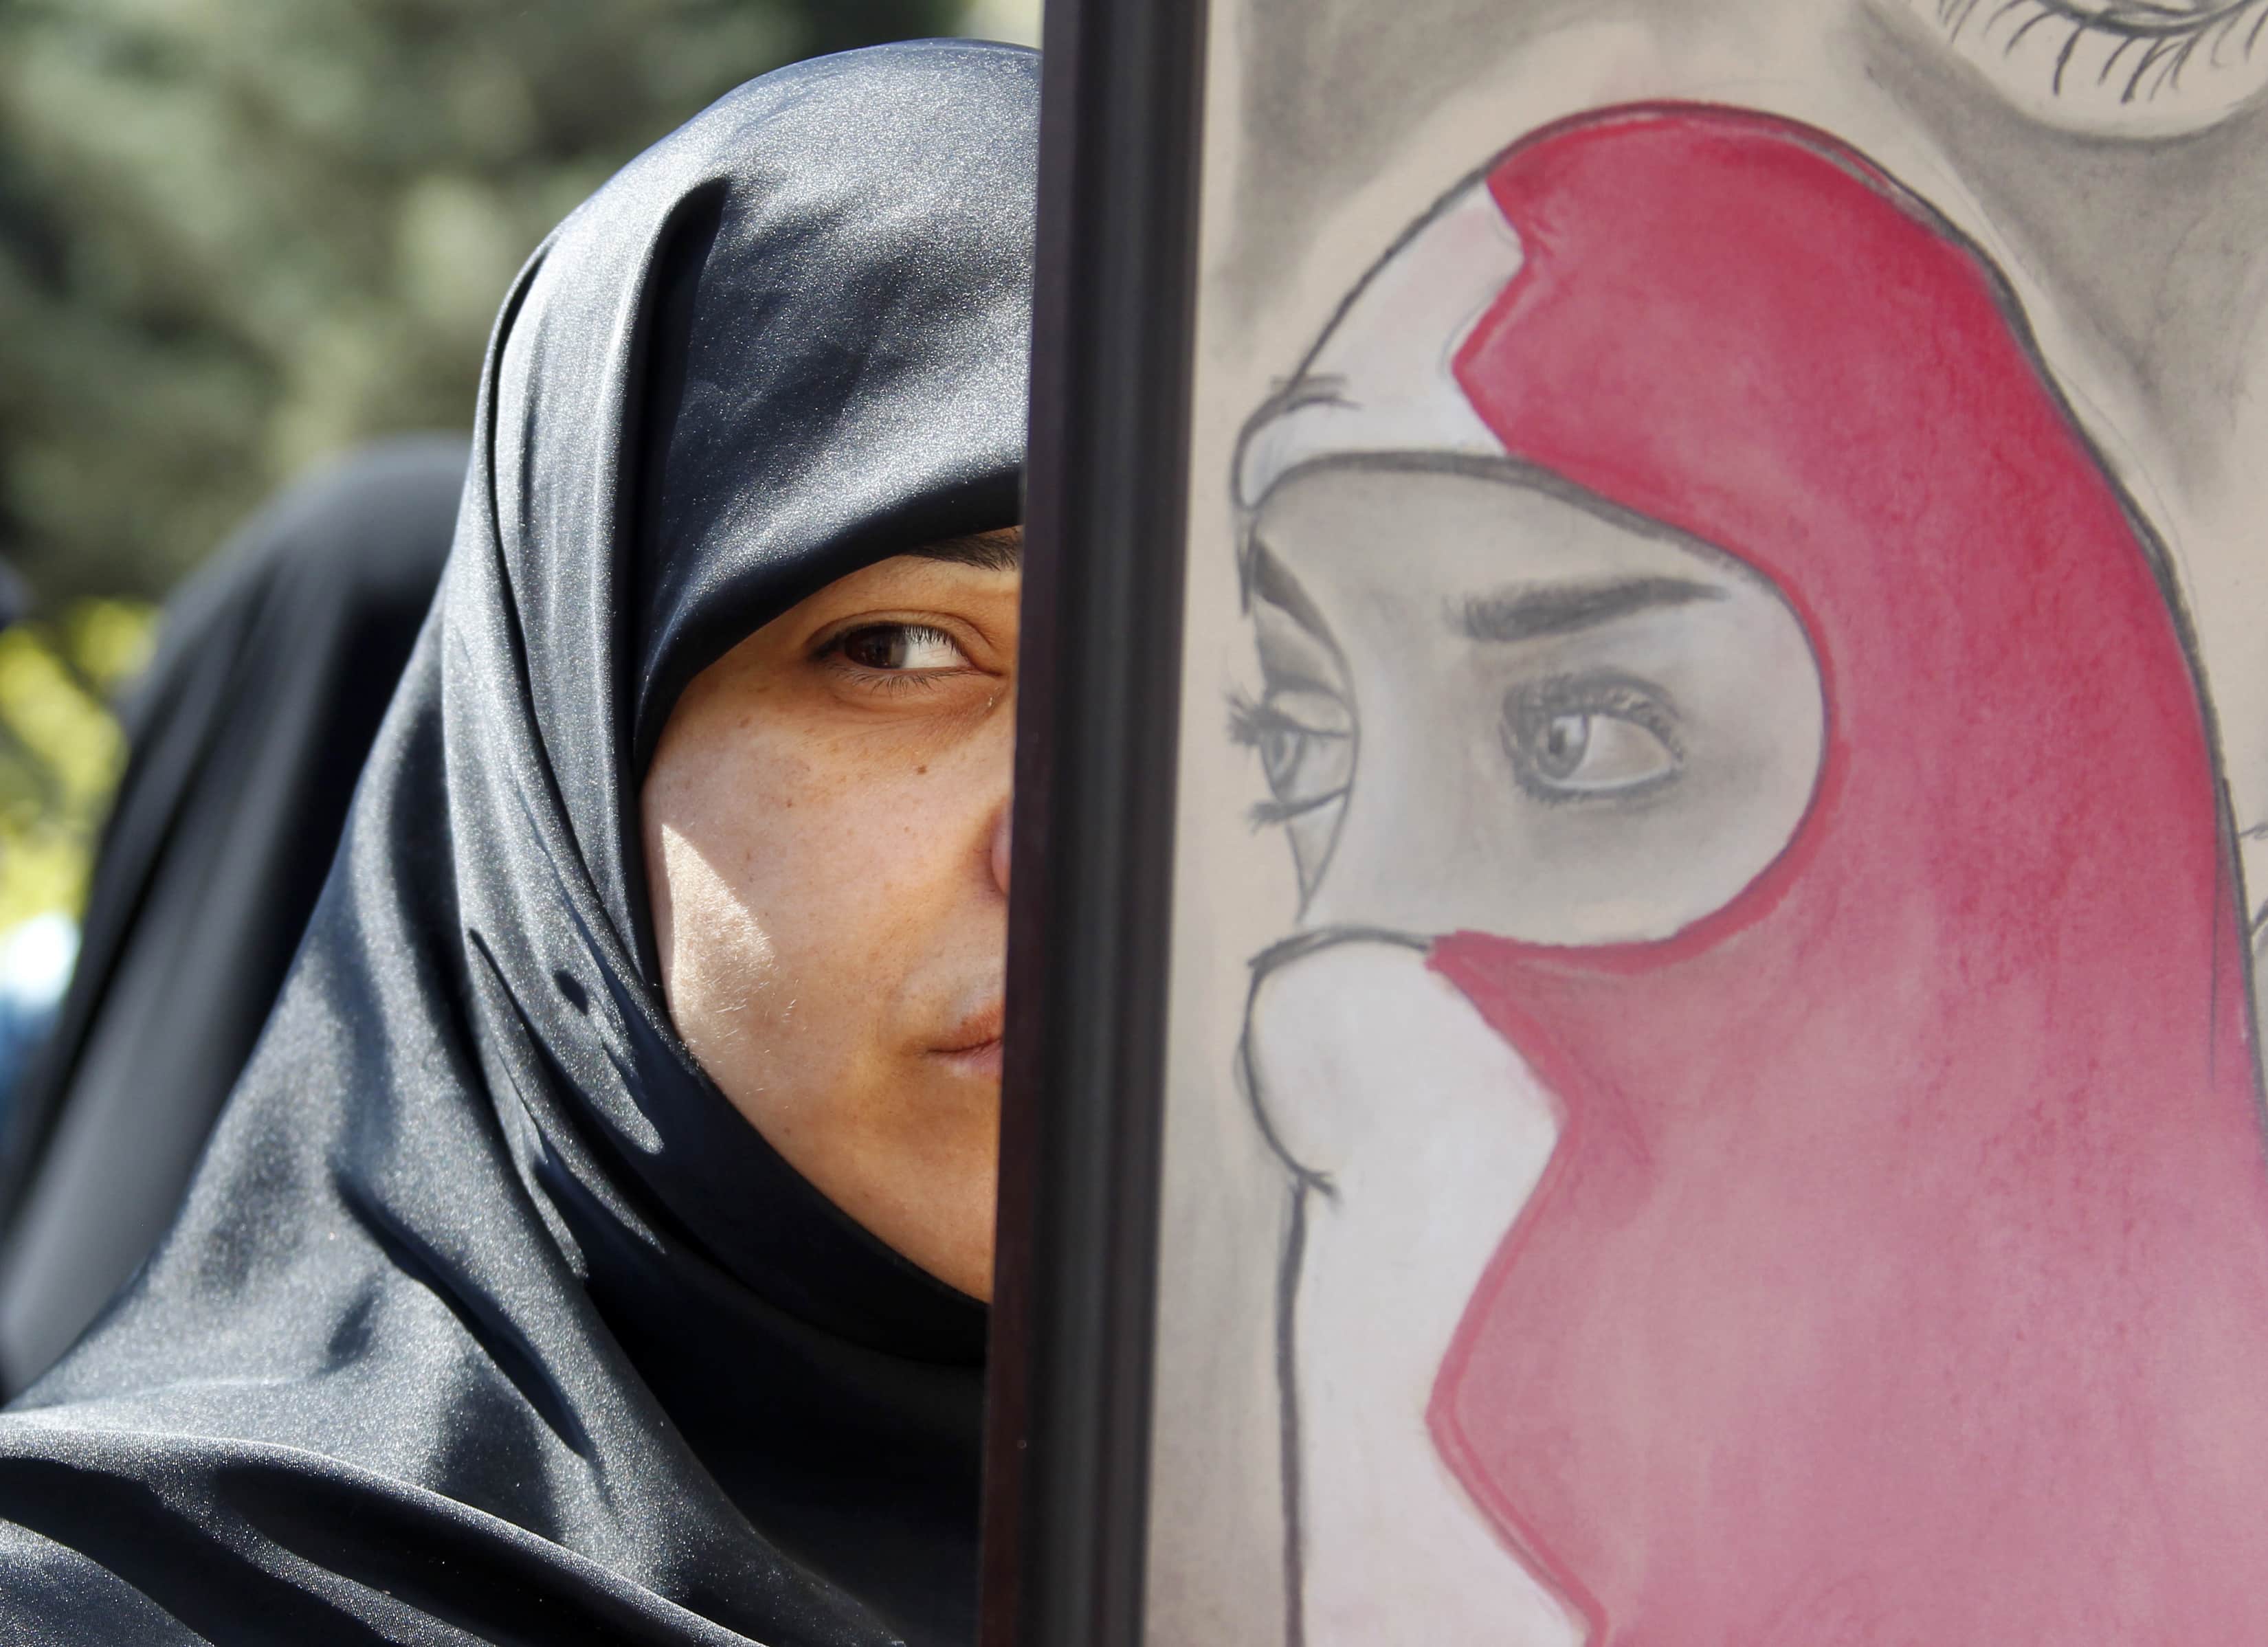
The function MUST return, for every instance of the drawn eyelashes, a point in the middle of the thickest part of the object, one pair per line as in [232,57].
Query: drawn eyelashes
[2150,45]
[2138,68]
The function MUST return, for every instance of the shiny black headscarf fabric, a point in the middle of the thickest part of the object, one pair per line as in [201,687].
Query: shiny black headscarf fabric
[488,1319]
[274,664]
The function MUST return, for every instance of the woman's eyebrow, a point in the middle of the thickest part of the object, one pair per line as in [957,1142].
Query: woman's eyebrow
[1526,614]
[1000,551]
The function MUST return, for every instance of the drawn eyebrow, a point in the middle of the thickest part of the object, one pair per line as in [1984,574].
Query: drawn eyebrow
[1526,614]
[1272,581]
[1269,583]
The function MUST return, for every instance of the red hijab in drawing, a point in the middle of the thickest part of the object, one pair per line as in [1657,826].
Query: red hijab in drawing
[1901,1278]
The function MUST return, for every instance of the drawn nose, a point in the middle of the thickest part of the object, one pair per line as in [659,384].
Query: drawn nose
[1351,1045]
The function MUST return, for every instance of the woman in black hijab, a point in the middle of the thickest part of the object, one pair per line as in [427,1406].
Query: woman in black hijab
[488,1318]
[248,730]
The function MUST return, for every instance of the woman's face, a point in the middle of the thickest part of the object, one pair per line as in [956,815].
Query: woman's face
[826,828]
[1488,707]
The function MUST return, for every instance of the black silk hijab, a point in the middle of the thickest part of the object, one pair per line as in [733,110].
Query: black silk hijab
[486,1318]
[274,664]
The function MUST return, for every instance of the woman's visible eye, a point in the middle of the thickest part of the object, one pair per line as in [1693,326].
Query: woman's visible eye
[1591,737]
[2120,68]
[1305,739]
[899,649]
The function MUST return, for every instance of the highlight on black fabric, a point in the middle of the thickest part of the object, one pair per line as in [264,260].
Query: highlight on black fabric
[247,733]
[482,1292]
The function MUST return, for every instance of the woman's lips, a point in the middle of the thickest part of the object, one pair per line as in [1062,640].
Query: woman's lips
[973,1044]
[982,1059]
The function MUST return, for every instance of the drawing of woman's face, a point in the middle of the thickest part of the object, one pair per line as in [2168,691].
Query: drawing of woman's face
[1488,704]
[1595,1258]
[1441,761]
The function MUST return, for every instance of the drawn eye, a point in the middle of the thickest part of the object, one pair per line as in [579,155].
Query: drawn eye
[1590,737]
[2119,68]
[1304,739]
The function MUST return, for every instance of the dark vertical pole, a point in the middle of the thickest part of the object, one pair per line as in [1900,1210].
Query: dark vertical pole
[1099,690]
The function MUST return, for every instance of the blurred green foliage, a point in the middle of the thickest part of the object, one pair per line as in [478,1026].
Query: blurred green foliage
[237,236]
[60,752]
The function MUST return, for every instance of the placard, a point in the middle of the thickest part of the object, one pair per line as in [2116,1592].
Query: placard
[1709,1088]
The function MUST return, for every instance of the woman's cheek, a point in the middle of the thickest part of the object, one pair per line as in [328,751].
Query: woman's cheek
[721,968]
